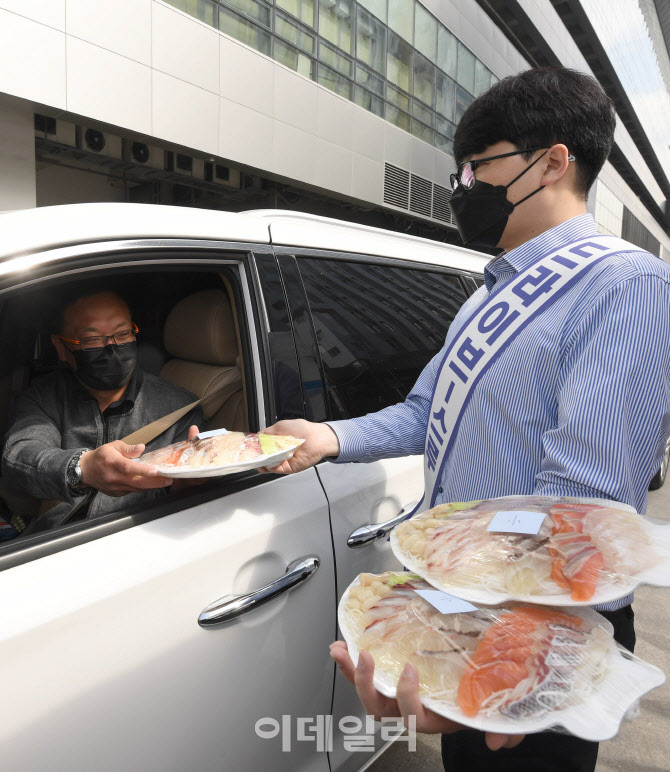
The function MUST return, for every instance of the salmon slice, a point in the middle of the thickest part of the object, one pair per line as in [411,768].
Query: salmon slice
[480,681]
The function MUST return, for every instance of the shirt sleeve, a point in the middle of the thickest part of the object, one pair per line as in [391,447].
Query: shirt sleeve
[613,398]
[33,459]
[398,430]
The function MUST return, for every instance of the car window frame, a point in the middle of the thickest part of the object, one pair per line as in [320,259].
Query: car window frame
[465,278]
[78,261]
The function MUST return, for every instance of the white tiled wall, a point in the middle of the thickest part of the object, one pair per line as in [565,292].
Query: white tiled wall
[48,12]
[609,211]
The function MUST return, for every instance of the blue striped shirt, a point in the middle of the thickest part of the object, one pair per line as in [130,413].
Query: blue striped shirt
[577,405]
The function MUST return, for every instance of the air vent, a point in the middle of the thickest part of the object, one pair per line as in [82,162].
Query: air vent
[420,195]
[396,186]
[441,208]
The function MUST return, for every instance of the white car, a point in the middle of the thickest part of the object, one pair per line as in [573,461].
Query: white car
[194,635]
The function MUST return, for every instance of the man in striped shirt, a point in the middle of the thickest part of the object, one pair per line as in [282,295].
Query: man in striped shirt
[578,404]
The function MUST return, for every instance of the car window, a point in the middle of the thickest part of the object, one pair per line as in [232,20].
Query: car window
[182,350]
[377,326]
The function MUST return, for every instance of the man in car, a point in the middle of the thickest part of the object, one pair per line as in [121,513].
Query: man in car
[558,382]
[64,445]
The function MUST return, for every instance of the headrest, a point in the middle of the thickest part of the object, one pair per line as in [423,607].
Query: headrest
[200,328]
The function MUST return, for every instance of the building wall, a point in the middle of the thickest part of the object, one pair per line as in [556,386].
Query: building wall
[145,68]
[17,154]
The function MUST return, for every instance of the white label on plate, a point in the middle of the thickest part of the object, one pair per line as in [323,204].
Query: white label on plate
[517,521]
[213,433]
[445,603]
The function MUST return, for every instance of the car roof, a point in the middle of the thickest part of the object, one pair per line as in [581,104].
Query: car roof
[33,231]
[299,229]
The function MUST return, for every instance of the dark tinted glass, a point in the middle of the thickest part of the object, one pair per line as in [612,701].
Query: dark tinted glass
[377,328]
[288,397]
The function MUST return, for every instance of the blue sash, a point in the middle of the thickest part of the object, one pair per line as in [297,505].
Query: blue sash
[488,331]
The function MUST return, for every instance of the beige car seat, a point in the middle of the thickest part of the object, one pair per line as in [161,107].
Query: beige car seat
[201,337]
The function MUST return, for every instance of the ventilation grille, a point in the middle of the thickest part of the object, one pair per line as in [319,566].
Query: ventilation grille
[420,195]
[396,186]
[441,208]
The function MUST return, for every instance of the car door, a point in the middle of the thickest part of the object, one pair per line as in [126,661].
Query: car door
[365,328]
[111,655]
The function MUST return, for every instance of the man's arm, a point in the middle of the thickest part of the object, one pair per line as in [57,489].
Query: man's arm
[33,459]
[613,400]
[398,430]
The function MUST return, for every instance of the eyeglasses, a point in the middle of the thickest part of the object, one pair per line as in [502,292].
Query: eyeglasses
[465,174]
[100,341]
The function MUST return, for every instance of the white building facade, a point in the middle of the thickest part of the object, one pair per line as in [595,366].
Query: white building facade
[341,107]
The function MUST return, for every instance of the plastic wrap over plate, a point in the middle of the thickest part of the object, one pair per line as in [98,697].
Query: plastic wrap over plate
[221,454]
[513,669]
[585,551]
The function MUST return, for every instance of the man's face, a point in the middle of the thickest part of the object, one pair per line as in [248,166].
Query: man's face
[501,171]
[101,314]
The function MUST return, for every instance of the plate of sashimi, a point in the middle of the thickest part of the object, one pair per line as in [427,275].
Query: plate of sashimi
[514,669]
[586,551]
[221,454]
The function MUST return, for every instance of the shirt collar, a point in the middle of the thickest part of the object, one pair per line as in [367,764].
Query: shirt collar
[506,265]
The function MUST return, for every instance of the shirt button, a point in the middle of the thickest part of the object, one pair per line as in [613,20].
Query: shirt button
[440,489]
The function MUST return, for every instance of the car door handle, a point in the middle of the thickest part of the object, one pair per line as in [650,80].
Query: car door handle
[367,534]
[230,607]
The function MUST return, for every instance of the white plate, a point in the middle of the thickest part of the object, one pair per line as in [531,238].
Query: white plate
[658,575]
[596,718]
[187,471]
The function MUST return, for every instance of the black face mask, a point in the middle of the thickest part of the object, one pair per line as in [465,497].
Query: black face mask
[481,212]
[106,368]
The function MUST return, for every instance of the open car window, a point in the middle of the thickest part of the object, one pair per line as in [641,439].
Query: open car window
[193,339]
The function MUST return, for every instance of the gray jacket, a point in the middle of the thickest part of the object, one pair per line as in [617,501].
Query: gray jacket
[56,416]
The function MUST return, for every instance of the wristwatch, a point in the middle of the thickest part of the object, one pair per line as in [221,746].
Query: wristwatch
[73,472]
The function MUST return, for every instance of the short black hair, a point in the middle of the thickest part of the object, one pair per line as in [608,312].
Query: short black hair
[78,291]
[540,108]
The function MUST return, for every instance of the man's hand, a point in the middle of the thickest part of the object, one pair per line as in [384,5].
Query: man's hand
[407,702]
[320,441]
[110,470]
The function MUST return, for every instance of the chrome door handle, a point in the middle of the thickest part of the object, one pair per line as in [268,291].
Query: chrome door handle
[230,607]
[367,534]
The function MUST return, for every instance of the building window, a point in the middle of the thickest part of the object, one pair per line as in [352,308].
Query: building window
[257,11]
[369,101]
[423,83]
[205,10]
[466,68]
[378,7]
[334,81]
[293,58]
[301,9]
[401,18]
[463,101]
[371,41]
[244,31]
[391,57]
[422,131]
[445,102]
[482,78]
[336,60]
[447,52]
[422,113]
[397,117]
[398,61]
[336,23]
[369,80]
[425,32]
[293,33]
[397,98]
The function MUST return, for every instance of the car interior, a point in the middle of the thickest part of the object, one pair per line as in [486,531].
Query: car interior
[189,335]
